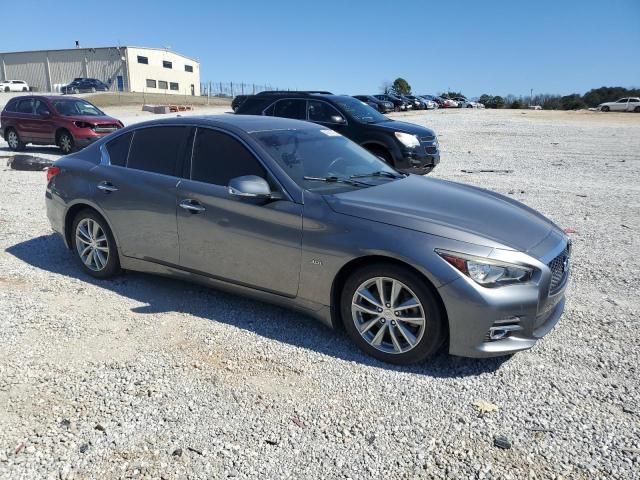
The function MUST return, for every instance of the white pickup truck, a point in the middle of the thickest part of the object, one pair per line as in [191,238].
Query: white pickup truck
[627,104]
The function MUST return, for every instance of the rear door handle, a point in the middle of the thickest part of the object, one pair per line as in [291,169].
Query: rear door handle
[107,187]
[192,205]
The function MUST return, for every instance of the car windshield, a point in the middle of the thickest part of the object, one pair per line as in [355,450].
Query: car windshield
[359,111]
[324,160]
[76,107]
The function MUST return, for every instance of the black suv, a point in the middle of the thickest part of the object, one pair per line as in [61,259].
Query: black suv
[85,85]
[408,147]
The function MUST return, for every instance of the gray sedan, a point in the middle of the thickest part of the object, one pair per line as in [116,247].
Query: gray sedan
[293,213]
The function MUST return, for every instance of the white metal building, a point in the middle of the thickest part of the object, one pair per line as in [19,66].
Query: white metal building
[127,69]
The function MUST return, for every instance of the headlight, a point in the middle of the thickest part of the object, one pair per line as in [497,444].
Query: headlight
[485,271]
[407,139]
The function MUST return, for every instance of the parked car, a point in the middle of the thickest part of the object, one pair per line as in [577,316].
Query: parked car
[237,101]
[449,103]
[85,85]
[398,103]
[431,104]
[383,106]
[292,213]
[68,122]
[627,104]
[437,100]
[406,146]
[14,86]
[466,103]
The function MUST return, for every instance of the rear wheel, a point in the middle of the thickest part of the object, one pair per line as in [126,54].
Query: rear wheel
[636,110]
[605,109]
[94,245]
[25,89]
[13,139]
[7,89]
[66,142]
[391,314]
[93,89]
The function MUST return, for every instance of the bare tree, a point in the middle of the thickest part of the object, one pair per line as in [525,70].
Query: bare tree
[386,86]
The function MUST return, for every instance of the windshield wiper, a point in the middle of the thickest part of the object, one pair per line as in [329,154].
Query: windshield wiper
[355,183]
[379,173]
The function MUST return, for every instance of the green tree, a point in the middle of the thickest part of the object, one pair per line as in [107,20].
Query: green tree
[495,102]
[485,99]
[401,86]
[516,104]
[572,102]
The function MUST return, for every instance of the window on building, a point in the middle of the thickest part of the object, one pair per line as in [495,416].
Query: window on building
[188,68]
[174,86]
[151,83]
[142,59]
[218,157]
[158,149]
[166,64]
[162,85]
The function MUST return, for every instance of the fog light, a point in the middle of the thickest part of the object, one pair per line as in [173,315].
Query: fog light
[502,329]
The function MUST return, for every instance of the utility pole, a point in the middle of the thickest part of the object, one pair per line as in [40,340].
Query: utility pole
[531,98]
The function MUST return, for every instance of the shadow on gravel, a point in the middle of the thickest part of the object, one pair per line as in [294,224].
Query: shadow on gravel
[49,253]
[32,149]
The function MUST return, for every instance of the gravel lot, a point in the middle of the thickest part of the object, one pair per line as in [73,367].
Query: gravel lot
[144,377]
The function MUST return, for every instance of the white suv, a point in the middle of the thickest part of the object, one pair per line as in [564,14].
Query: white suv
[628,104]
[14,86]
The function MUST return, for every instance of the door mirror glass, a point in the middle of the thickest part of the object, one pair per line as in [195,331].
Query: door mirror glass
[249,186]
[44,113]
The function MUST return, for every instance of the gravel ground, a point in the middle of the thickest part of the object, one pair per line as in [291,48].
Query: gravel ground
[144,377]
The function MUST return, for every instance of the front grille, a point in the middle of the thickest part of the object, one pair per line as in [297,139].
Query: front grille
[431,150]
[106,128]
[559,267]
[429,138]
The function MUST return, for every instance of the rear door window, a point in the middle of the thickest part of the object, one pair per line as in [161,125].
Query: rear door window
[291,108]
[118,149]
[218,157]
[159,149]
[25,106]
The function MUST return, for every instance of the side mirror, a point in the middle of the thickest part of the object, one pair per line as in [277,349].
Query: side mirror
[338,119]
[249,186]
[45,113]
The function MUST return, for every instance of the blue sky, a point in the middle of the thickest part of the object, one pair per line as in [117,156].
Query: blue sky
[477,47]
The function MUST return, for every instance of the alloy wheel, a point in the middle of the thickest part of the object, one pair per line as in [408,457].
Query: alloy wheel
[92,244]
[388,315]
[12,140]
[66,144]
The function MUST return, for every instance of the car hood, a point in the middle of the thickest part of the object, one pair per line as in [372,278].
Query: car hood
[395,126]
[93,119]
[447,209]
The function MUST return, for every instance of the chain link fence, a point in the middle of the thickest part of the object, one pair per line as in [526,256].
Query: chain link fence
[231,89]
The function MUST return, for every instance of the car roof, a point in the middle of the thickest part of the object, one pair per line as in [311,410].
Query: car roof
[247,123]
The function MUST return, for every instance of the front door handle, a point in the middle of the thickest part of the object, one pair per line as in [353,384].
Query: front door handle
[107,187]
[192,205]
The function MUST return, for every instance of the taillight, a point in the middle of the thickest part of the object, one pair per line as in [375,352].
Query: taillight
[52,172]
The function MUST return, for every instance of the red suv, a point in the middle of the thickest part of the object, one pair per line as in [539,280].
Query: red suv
[68,122]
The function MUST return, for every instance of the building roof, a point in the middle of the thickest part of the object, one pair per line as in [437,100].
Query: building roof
[101,48]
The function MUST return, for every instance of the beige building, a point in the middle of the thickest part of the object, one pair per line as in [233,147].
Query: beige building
[127,69]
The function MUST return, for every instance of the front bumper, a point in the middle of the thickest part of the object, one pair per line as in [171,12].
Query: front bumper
[475,312]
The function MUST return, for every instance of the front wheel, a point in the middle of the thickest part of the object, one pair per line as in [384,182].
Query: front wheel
[94,245]
[391,314]
[605,109]
[636,110]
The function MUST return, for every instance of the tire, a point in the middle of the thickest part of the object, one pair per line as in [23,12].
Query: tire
[94,261]
[66,142]
[25,89]
[636,110]
[382,154]
[378,321]
[76,91]
[93,89]
[469,106]
[7,89]
[604,109]
[13,139]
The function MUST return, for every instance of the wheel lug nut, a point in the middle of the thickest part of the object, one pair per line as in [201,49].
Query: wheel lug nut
[388,305]
[393,322]
[397,314]
[382,320]
[379,310]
